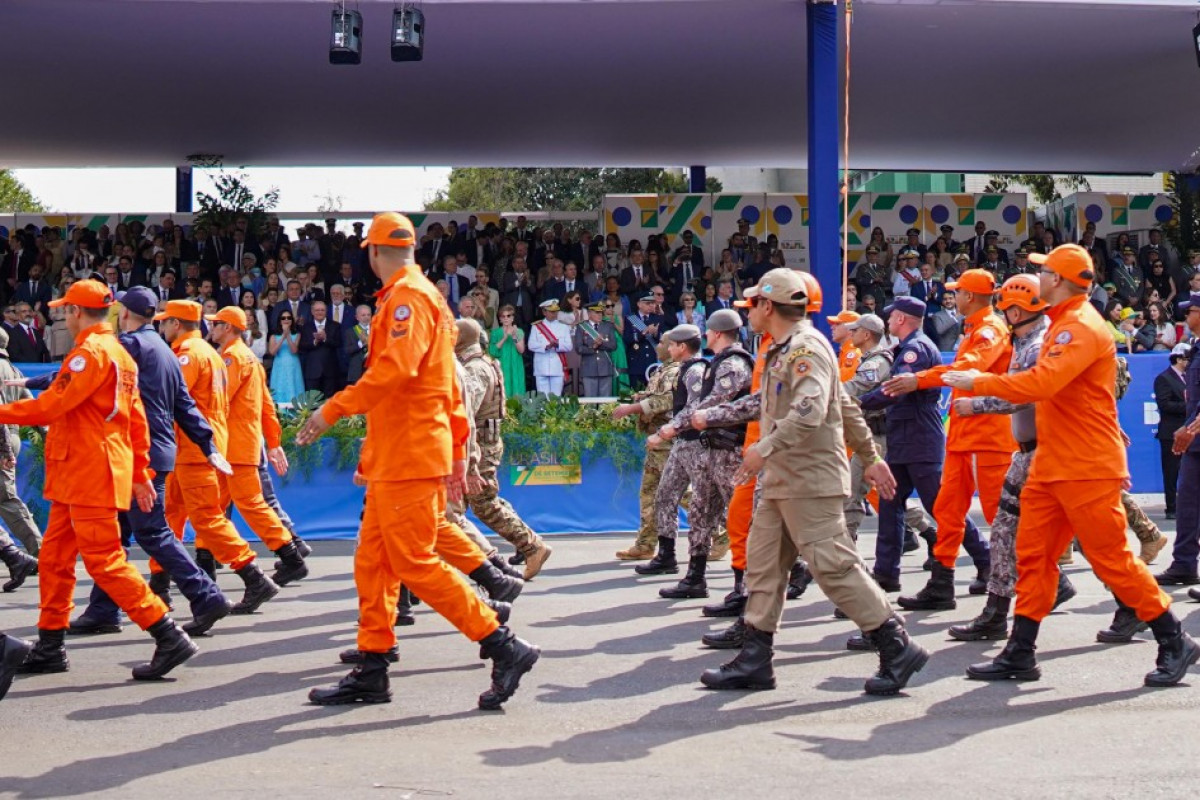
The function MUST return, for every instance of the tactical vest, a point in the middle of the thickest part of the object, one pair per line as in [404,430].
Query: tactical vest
[493,407]
[877,420]
[680,396]
[733,437]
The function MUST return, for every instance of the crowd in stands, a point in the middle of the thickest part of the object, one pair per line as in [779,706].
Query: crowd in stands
[310,296]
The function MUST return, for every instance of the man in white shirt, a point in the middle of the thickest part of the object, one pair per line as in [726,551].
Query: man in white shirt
[549,340]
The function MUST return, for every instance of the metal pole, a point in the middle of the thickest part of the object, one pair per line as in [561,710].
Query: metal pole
[183,190]
[696,177]
[823,187]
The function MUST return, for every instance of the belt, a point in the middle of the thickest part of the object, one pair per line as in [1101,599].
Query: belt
[1027,447]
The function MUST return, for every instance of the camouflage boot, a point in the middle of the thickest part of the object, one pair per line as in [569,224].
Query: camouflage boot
[720,546]
[1152,539]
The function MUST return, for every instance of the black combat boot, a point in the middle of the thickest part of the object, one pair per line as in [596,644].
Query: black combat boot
[664,562]
[1066,590]
[291,565]
[732,638]
[910,540]
[980,584]
[160,584]
[511,659]
[930,537]
[517,559]
[86,625]
[938,594]
[992,622]
[693,583]
[503,610]
[1178,575]
[48,654]
[1124,626]
[1016,661]
[202,622]
[499,563]
[20,566]
[498,585]
[366,683]
[13,652]
[750,669]
[355,656]
[302,547]
[734,603]
[259,589]
[173,647]
[798,580]
[206,562]
[886,582]
[404,615]
[899,658]
[1176,651]
[860,643]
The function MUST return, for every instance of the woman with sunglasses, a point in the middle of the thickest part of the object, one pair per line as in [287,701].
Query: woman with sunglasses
[287,379]
[613,312]
[507,346]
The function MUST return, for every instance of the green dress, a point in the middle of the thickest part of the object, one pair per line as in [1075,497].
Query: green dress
[620,364]
[512,363]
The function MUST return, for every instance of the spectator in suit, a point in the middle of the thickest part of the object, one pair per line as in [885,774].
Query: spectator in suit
[724,298]
[320,341]
[928,290]
[458,285]
[642,332]
[340,310]
[688,251]
[112,279]
[466,240]
[1154,251]
[25,344]
[554,287]
[436,245]
[1168,396]
[977,244]
[637,278]
[167,288]
[522,232]
[354,343]
[945,325]
[35,291]
[687,268]
[761,266]
[300,310]
[230,294]
[516,290]
[240,248]
[483,283]
[214,251]
[10,323]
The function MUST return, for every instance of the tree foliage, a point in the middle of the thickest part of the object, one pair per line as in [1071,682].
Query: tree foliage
[1044,188]
[233,199]
[1183,231]
[550,188]
[15,197]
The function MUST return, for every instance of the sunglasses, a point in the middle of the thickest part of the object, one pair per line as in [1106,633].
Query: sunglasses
[281,319]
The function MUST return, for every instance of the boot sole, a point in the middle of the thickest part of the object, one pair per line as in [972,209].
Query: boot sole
[1104,637]
[720,645]
[1017,675]
[855,647]
[97,630]
[723,611]
[977,590]
[203,624]
[977,636]
[25,669]
[916,666]
[1192,658]
[670,594]
[403,622]
[494,701]
[945,605]
[749,686]
[628,557]
[663,571]
[242,609]
[363,697]
[283,578]
[179,657]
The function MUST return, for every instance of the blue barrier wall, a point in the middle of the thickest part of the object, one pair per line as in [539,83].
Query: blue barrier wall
[326,505]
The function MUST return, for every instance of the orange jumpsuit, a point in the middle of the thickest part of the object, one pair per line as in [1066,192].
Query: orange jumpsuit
[741,505]
[1074,486]
[97,448]
[193,489]
[979,448]
[416,428]
[251,418]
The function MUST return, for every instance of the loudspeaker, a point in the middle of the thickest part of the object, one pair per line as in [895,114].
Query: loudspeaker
[408,34]
[1196,42]
[345,43]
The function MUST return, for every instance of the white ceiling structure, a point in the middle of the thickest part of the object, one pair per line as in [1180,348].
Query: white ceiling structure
[965,85]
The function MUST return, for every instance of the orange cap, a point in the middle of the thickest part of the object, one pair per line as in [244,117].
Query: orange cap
[976,281]
[86,294]
[232,315]
[1070,262]
[391,229]
[185,310]
[843,318]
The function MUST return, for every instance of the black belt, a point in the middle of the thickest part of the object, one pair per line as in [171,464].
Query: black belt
[1027,447]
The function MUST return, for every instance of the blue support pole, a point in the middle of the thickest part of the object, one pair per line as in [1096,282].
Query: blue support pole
[696,178]
[183,190]
[824,229]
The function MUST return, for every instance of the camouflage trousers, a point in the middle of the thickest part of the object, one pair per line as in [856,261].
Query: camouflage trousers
[1004,527]
[652,470]
[493,510]
[1143,528]
[914,516]
[710,474]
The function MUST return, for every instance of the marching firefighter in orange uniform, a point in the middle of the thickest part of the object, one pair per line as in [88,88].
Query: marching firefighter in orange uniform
[251,418]
[412,459]
[194,488]
[979,448]
[1075,481]
[848,355]
[97,458]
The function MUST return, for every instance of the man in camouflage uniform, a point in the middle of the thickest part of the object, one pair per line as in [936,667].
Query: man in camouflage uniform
[653,409]
[1021,304]
[14,512]
[487,384]
[708,459]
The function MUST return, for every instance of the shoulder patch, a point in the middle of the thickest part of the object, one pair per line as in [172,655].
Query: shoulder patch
[184,360]
[77,364]
[1063,338]
[802,366]
[910,356]
[988,334]
[402,313]
[869,374]
[228,361]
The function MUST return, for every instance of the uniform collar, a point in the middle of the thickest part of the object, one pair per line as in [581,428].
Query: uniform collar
[409,270]
[230,344]
[979,316]
[1070,304]
[99,327]
[185,337]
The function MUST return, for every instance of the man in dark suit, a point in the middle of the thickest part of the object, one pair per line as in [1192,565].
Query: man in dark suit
[977,244]
[685,272]
[516,290]
[928,290]
[689,251]
[522,232]
[637,278]
[724,298]
[25,342]
[230,293]
[168,288]
[241,247]
[301,311]
[1172,408]
[320,341]
[214,251]
[555,286]
[465,241]
[35,291]
[642,332]
[437,246]
[129,275]
[945,324]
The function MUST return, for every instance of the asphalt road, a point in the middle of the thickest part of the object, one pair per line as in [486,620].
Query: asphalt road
[613,709]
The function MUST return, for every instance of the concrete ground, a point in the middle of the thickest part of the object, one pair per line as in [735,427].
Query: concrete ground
[612,710]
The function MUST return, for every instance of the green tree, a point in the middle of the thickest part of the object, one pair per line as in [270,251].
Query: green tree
[551,188]
[1183,231]
[1044,188]
[233,199]
[14,196]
